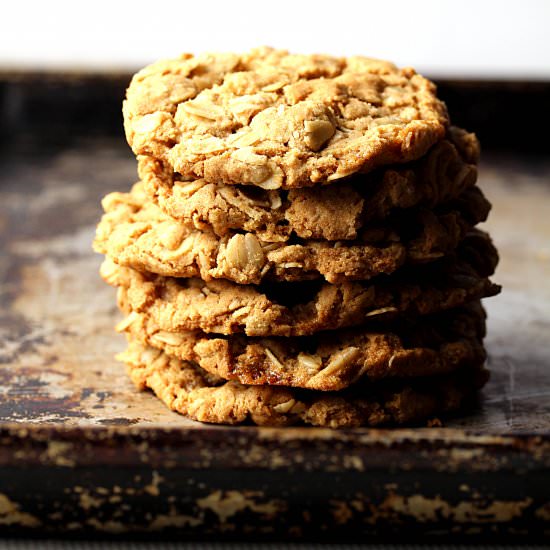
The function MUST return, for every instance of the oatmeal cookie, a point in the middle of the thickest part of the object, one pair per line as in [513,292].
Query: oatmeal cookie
[186,388]
[327,361]
[138,234]
[276,120]
[302,309]
[334,212]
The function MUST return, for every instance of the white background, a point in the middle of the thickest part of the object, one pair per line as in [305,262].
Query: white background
[509,39]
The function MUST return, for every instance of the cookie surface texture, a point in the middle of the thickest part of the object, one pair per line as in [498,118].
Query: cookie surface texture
[328,361]
[187,389]
[137,233]
[277,120]
[333,212]
[302,309]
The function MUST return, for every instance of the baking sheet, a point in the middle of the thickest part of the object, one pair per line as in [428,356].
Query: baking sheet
[82,452]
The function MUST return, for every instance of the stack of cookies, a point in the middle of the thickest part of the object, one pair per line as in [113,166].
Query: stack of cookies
[301,245]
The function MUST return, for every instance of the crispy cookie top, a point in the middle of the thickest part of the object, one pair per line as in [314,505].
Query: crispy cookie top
[278,120]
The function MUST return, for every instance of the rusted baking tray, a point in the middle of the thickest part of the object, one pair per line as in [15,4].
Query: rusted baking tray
[83,452]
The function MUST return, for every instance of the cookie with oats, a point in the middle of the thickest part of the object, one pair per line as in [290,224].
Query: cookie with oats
[136,233]
[186,388]
[277,120]
[333,212]
[327,361]
[302,309]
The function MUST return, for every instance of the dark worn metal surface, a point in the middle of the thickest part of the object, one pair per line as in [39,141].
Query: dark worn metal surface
[81,450]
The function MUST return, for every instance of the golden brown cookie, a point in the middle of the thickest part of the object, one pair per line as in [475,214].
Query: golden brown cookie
[186,388]
[302,309]
[276,120]
[334,212]
[327,361]
[136,233]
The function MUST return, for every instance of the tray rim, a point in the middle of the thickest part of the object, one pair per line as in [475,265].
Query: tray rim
[438,449]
